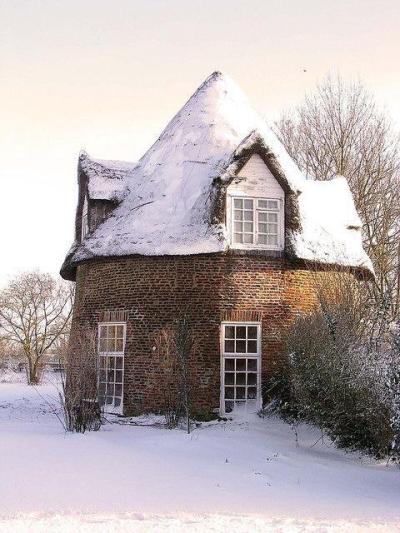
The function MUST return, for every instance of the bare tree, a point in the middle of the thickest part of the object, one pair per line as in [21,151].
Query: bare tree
[340,130]
[10,355]
[79,398]
[35,312]
[175,347]
[165,347]
[184,348]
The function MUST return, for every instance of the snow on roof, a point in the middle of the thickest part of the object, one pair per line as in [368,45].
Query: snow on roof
[106,180]
[330,226]
[167,195]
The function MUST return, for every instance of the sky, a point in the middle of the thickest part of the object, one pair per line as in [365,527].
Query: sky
[107,75]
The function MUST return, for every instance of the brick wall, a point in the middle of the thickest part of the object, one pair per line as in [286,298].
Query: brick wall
[153,291]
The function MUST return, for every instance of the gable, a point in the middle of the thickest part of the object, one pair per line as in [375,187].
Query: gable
[255,179]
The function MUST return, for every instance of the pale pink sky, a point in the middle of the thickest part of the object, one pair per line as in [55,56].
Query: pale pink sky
[107,76]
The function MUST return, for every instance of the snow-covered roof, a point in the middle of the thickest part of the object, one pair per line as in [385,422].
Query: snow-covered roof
[106,180]
[330,228]
[167,198]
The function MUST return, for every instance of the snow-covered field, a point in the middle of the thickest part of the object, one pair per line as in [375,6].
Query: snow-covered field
[244,475]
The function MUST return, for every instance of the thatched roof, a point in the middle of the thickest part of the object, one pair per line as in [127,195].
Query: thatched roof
[170,202]
[106,180]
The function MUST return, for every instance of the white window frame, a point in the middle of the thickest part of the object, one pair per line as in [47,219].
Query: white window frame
[85,219]
[112,409]
[236,355]
[256,210]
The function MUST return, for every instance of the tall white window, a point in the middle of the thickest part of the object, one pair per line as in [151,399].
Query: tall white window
[240,366]
[257,223]
[85,219]
[111,349]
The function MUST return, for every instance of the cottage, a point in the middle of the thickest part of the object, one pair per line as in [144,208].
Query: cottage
[215,221]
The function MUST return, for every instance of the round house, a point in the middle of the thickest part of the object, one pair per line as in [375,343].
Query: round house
[215,225]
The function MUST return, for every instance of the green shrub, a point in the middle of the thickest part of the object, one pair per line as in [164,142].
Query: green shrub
[342,374]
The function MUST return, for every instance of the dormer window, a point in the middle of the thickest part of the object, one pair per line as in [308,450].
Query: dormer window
[85,220]
[98,213]
[257,223]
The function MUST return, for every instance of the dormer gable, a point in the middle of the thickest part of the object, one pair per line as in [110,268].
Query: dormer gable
[255,207]
[102,186]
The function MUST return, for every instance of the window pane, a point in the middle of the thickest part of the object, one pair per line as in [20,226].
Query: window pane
[118,390]
[120,332]
[262,239]
[252,332]
[248,215]
[272,217]
[103,345]
[241,364]
[229,393]
[240,393]
[229,332]
[241,378]
[118,376]
[262,204]
[272,240]
[238,202]
[238,238]
[110,345]
[119,345]
[118,362]
[111,332]
[248,204]
[103,332]
[262,217]
[229,346]
[238,227]
[262,228]
[251,379]
[273,204]
[248,227]
[241,332]
[229,378]
[252,346]
[272,228]
[238,215]
[228,407]
[241,347]
[229,364]
[252,365]
[252,393]
[248,238]
[117,402]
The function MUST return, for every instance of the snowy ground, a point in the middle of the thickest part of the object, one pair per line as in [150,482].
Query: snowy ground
[234,476]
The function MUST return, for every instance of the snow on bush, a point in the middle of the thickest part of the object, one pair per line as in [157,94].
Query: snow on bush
[343,370]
